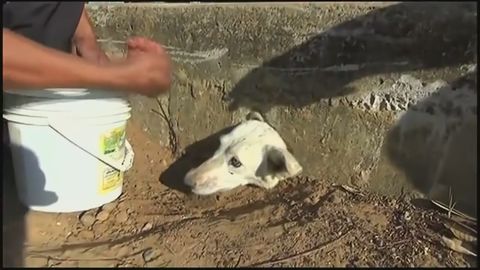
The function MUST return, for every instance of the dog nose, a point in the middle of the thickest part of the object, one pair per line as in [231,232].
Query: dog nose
[193,182]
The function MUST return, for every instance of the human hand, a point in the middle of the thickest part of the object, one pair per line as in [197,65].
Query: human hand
[147,68]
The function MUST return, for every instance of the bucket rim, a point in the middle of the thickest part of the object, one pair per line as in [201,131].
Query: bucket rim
[62,93]
[74,119]
[74,114]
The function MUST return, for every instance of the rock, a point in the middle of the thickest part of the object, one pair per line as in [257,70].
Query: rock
[87,219]
[122,217]
[148,255]
[147,226]
[103,215]
[109,207]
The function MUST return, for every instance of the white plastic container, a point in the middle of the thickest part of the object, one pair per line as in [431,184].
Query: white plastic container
[68,147]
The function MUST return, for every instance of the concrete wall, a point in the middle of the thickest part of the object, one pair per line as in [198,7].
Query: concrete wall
[379,95]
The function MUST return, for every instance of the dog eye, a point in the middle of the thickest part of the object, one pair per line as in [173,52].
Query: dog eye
[234,162]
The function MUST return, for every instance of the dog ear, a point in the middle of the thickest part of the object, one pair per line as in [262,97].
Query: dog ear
[281,163]
[255,116]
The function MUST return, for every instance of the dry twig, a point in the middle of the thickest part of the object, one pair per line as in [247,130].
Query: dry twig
[304,253]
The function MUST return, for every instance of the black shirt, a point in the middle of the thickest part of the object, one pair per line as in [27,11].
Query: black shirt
[49,23]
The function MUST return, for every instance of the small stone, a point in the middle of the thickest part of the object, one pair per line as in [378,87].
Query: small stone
[109,207]
[147,226]
[87,219]
[122,217]
[147,255]
[407,216]
[103,215]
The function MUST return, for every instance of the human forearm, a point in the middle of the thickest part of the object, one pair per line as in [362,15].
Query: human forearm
[84,31]
[29,65]
[85,41]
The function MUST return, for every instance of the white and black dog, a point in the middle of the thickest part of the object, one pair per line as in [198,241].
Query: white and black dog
[252,153]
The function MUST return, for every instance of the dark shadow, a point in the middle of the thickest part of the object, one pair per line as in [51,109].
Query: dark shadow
[194,155]
[398,38]
[14,212]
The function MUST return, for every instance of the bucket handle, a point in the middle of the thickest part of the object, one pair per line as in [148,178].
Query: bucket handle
[123,166]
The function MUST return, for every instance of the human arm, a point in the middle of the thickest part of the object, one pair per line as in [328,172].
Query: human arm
[30,65]
[85,41]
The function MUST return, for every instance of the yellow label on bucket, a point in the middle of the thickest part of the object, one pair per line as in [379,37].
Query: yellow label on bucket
[111,180]
[112,141]
[112,144]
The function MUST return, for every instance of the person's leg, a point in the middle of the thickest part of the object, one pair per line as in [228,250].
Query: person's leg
[49,23]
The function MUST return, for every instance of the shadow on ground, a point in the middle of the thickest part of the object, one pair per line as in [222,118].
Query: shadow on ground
[14,212]
[194,155]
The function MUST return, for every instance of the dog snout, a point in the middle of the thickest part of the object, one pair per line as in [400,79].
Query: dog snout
[195,182]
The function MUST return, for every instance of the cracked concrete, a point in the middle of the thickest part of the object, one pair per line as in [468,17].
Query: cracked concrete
[380,95]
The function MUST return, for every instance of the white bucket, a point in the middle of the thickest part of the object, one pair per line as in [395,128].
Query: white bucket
[68,147]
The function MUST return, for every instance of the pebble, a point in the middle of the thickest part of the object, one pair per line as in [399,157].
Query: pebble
[109,207]
[87,219]
[103,215]
[122,216]
[147,255]
[147,226]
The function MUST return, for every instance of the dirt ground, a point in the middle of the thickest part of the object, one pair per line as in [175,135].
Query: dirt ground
[302,222]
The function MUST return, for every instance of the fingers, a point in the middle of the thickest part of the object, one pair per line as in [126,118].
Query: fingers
[144,45]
